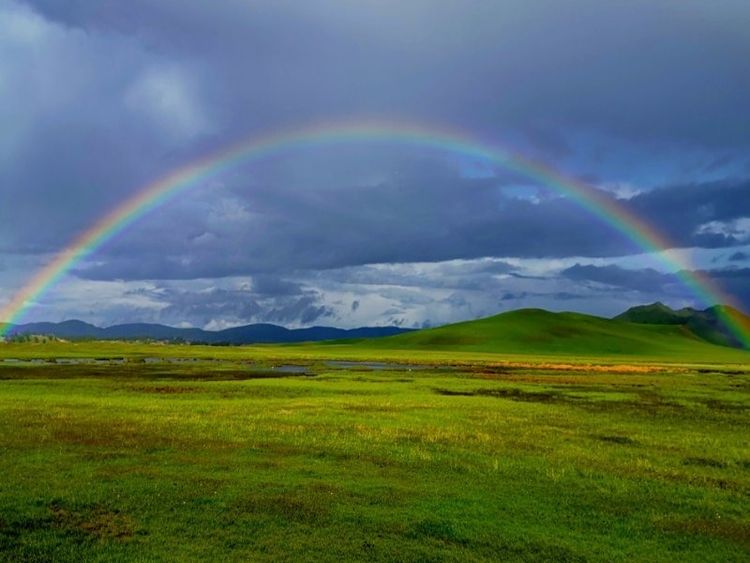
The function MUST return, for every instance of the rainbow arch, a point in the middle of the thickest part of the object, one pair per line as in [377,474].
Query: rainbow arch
[165,188]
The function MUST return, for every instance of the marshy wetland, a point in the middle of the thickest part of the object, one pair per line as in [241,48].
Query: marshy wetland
[137,452]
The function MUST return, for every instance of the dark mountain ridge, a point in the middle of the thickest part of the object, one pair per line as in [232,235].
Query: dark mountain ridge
[555,329]
[707,324]
[249,334]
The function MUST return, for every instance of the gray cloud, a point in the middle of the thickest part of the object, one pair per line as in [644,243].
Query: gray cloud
[649,283]
[428,213]
[699,214]
[646,280]
[98,98]
[263,300]
[520,62]
[735,282]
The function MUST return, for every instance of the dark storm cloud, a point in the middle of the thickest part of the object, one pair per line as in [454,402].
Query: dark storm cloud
[98,98]
[266,300]
[732,281]
[109,95]
[305,310]
[699,214]
[430,216]
[272,285]
[739,256]
[460,275]
[86,117]
[558,296]
[735,282]
[676,69]
[429,213]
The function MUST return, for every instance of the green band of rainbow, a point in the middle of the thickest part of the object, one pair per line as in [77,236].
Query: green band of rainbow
[193,174]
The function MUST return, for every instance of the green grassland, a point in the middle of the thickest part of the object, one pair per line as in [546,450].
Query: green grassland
[460,453]
[538,332]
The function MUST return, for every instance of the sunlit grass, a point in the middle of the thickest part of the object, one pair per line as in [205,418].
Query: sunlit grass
[486,461]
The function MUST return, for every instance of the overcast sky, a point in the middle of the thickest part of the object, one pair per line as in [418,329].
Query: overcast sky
[646,101]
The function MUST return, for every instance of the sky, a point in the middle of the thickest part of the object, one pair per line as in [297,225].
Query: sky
[645,101]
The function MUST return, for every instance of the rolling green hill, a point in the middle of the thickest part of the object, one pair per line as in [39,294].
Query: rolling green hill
[538,332]
[706,324]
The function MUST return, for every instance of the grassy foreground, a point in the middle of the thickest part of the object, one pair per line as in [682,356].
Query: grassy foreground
[484,460]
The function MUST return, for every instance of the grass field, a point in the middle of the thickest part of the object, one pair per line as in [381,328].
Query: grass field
[458,456]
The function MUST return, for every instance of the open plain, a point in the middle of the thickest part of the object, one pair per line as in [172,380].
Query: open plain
[115,451]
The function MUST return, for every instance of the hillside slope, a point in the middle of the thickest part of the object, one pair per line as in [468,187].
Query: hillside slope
[539,332]
[706,324]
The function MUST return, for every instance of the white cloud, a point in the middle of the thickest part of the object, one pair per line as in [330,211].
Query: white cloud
[168,96]
[621,190]
[739,228]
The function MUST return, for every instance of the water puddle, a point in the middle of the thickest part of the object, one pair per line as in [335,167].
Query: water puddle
[290,368]
[62,361]
[252,368]
[373,366]
[279,370]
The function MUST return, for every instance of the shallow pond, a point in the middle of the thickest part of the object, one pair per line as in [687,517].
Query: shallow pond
[374,366]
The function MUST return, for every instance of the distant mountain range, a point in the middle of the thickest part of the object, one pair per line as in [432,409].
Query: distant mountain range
[524,329]
[248,334]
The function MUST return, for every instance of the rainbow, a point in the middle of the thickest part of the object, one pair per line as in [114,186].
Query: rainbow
[156,194]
